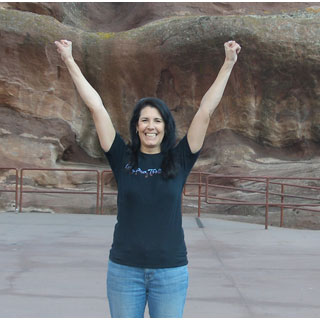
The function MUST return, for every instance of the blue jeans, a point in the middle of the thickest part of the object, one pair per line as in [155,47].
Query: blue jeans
[130,289]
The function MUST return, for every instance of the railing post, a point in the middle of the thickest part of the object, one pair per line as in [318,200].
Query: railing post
[102,187]
[21,187]
[199,195]
[282,201]
[98,189]
[267,204]
[207,183]
[17,190]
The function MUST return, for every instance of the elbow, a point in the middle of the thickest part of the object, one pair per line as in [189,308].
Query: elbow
[96,107]
[205,112]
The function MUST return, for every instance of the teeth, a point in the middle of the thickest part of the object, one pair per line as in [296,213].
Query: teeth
[150,134]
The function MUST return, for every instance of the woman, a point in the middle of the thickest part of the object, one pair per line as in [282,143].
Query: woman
[148,258]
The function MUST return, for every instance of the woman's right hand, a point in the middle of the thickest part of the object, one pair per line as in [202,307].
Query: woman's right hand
[64,47]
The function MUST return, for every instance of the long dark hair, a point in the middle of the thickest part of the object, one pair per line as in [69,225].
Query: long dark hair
[168,167]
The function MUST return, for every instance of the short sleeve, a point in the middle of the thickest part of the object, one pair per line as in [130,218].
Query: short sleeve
[116,154]
[186,158]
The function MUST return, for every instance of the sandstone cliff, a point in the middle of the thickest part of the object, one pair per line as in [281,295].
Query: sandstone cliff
[267,123]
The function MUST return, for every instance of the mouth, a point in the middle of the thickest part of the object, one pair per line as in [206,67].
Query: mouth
[152,135]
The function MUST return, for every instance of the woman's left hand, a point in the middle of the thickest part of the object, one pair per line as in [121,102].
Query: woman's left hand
[232,50]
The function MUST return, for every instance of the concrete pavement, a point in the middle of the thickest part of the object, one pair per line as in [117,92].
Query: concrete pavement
[54,265]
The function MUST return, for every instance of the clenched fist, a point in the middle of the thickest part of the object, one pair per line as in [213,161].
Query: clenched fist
[232,50]
[64,47]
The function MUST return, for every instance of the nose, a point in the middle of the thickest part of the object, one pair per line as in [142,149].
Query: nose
[150,125]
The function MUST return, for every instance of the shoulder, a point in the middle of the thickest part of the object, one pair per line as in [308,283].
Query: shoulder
[184,155]
[183,145]
[118,143]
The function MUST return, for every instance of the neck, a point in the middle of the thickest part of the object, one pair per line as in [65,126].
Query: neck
[150,150]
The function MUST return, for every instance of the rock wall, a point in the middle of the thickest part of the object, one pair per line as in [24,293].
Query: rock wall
[270,110]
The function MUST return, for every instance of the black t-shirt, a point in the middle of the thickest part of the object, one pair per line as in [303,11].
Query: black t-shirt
[148,232]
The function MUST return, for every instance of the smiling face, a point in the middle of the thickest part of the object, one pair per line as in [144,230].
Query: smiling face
[151,129]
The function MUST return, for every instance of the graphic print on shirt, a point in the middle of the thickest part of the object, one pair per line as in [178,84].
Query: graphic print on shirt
[147,173]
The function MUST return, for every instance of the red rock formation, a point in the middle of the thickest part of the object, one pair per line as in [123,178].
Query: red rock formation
[171,50]
[119,16]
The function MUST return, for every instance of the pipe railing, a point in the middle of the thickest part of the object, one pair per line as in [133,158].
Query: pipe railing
[103,173]
[202,184]
[268,181]
[199,184]
[22,191]
[16,190]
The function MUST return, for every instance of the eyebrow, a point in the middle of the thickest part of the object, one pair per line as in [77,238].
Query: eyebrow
[156,118]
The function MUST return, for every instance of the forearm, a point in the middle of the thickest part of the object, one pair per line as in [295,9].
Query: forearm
[213,96]
[88,94]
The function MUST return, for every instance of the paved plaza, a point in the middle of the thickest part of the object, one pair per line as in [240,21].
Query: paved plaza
[54,265]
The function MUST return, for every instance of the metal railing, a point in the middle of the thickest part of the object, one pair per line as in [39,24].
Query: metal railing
[204,185]
[199,184]
[234,190]
[103,173]
[22,191]
[15,185]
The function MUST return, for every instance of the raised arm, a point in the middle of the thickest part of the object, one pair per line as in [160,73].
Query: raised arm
[211,99]
[89,95]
